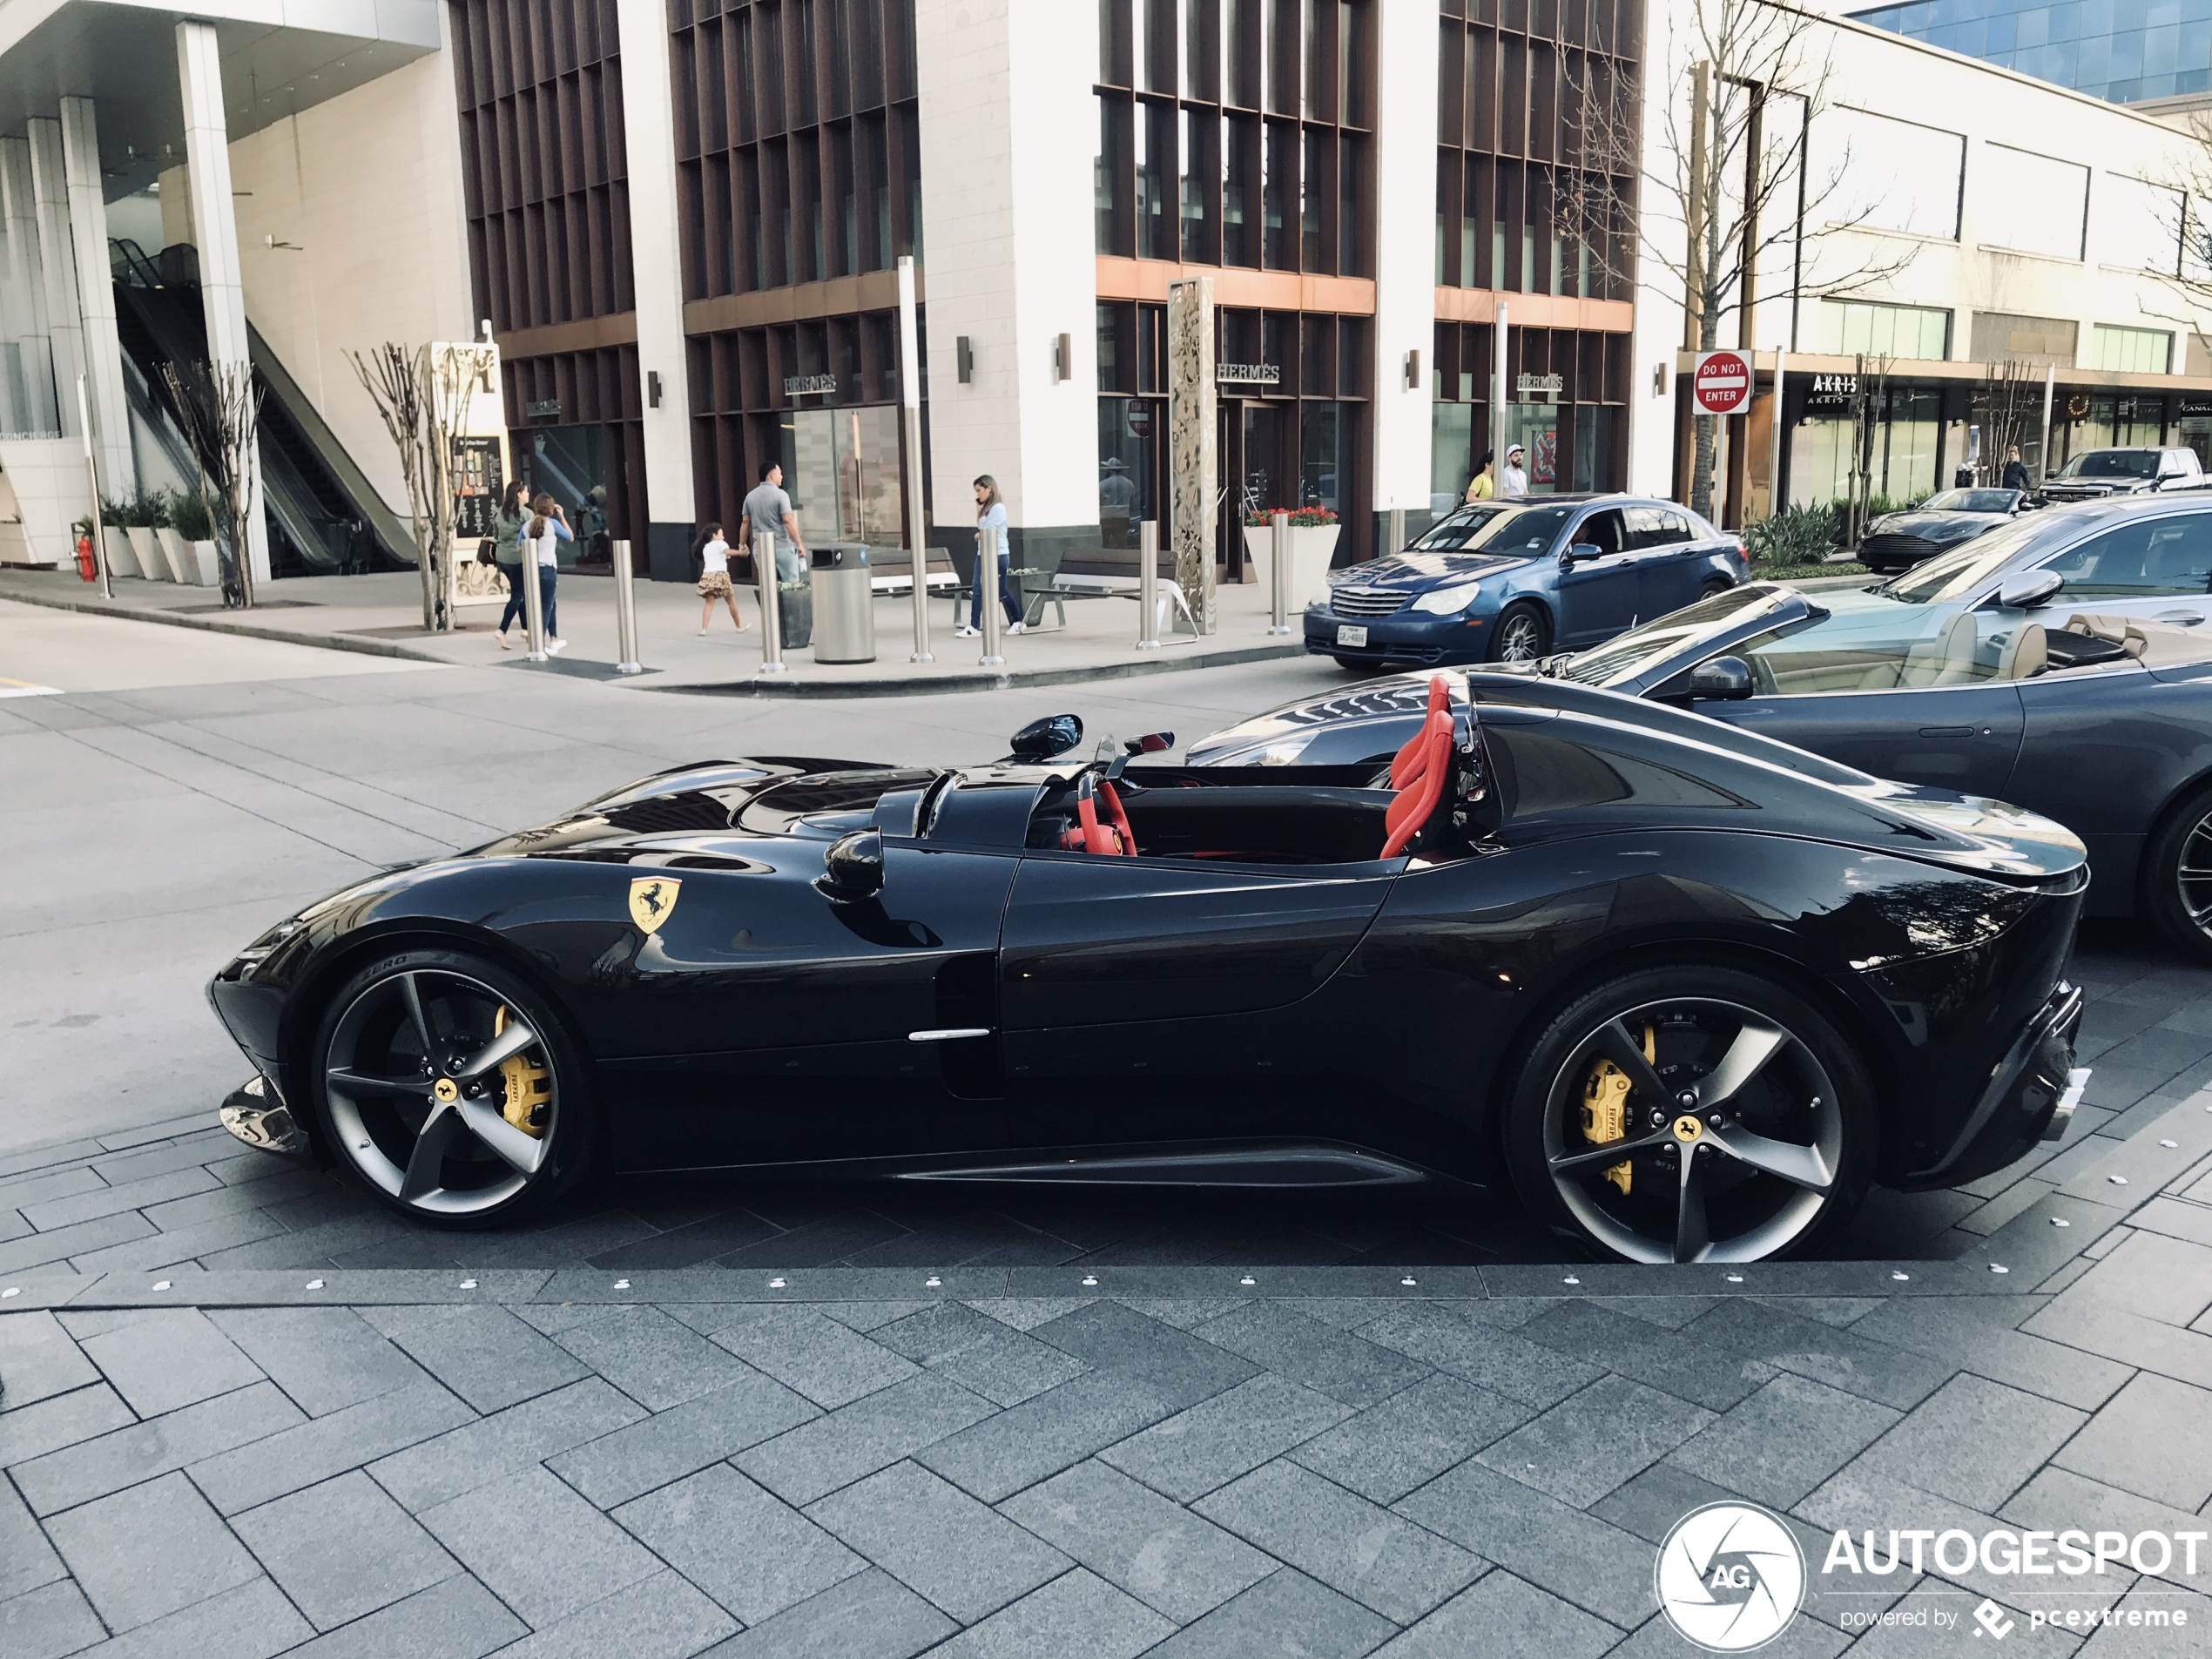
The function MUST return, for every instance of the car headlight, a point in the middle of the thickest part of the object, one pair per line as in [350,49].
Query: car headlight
[1283,751]
[1444,601]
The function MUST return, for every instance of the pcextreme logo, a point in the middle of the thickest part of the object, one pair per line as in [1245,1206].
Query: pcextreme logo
[1729,1577]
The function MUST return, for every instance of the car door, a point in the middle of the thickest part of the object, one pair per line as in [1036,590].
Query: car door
[1146,999]
[1598,594]
[1671,560]
[1922,703]
[2158,566]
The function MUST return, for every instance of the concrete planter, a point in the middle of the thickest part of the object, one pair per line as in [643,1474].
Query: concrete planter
[206,567]
[1311,548]
[115,546]
[176,553]
[147,551]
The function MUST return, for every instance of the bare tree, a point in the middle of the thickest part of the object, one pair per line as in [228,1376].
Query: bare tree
[218,407]
[423,395]
[2009,398]
[1720,204]
[1869,398]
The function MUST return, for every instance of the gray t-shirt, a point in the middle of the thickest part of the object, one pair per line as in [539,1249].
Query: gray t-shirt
[764,513]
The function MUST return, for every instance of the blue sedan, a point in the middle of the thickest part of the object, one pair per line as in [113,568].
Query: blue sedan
[1562,571]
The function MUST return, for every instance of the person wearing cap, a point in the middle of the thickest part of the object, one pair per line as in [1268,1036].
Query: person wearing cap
[1513,482]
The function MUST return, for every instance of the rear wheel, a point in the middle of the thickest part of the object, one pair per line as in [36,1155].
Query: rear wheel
[1713,585]
[452,1090]
[1523,635]
[2177,875]
[1692,1114]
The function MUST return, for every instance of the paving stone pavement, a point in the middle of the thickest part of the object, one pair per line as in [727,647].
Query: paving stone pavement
[830,1424]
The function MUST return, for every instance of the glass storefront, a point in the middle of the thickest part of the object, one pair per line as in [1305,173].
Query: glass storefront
[841,468]
[1908,446]
[569,463]
[1568,420]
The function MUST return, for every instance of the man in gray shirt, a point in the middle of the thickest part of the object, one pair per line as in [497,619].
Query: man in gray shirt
[768,511]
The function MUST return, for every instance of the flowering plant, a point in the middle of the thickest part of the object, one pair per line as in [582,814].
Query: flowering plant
[1302,518]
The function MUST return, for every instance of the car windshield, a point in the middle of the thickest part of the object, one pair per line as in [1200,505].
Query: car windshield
[1525,531]
[1458,530]
[2113,464]
[1624,657]
[1972,501]
[1954,575]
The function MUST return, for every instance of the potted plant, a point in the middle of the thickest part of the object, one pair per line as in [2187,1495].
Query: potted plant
[176,552]
[115,538]
[1314,533]
[195,523]
[147,510]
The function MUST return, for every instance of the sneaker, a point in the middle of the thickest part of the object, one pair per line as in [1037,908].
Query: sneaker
[556,646]
[505,644]
[965,632]
[1017,628]
[702,633]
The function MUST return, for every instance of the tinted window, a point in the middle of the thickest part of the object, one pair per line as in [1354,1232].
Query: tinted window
[1456,531]
[2141,560]
[1972,501]
[1526,531]
[1677,527]
[1539,773]
[2113,464]
[1647,526]
[1954,576]
[1602,531]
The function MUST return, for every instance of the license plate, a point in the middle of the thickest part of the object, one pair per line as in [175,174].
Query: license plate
[1348,634]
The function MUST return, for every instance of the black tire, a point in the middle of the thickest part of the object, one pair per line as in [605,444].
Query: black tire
[1522,634]
[1800,1078]
[1713,585]
[2180,904]
[422,1043]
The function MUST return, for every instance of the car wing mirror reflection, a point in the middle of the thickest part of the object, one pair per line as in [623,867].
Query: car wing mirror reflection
[1581,551]
[2028,589]
[1152,742]
[1724,679]
[1040,740]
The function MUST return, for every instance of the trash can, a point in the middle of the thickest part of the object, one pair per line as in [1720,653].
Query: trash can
[844,603]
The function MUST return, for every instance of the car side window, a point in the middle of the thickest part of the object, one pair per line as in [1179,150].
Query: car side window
[1538,772]
[1604,531]
[1642,526]
[1813,662]
[2143,559]
[1677,527]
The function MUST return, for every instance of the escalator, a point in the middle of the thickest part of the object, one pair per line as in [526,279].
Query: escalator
[322,515]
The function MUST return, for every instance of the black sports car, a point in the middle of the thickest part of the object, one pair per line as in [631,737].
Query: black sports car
[1938,524]
[1691,1001]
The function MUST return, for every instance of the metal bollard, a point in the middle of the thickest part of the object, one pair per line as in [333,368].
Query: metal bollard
[625,614]
[771,603]
[986,569]
[1148,583]
[1278,556]
[1397,530]
[533,605]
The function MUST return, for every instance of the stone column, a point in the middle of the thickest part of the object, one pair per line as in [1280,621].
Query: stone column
[22,294]
[222,287]
[1404,191]
[96,297]
[58,267]
[649,137]
[1194,465]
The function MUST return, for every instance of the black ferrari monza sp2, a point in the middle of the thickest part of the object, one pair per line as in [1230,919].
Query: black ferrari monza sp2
[1689,1001]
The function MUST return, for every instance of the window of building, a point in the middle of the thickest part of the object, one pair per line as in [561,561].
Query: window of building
[1233,132]
[2039,340]
[2132,351]
[2058,190]
[1849,327]
[2139,226]
[1887,174]
[1569,390]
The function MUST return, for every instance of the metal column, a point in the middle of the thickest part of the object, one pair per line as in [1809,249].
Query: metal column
[910,419]
[1278,571]
[1147,584]
[771,603]
[625,614]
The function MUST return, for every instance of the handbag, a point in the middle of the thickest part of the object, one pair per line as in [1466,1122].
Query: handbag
[488,551]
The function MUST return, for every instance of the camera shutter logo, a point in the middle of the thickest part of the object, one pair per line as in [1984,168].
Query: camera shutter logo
[1729,1577]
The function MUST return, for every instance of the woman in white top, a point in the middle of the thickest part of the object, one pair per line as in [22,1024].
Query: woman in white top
[714,579]
[991,537]
[547,529]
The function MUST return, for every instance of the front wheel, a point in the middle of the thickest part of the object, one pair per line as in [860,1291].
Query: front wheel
[2177,876]
[452,1090]
[1691,1113]
[1523,635]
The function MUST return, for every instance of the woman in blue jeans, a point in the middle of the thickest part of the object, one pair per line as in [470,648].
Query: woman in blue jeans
[990,535]
[540,539]
[506,550]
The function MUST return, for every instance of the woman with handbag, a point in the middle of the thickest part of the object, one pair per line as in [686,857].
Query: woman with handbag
[506,542]
[991,548]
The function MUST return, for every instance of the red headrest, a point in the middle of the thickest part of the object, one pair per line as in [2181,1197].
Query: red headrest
[1405,766]
[1411,808]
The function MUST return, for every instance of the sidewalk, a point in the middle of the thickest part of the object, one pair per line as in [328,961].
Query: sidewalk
[381,615]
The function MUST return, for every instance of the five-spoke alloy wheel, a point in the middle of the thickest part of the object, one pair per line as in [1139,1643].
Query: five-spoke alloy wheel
[451,1089]
[1522,634]
[1692,1114]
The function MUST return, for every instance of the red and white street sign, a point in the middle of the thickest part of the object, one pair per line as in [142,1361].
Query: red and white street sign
[1721,382]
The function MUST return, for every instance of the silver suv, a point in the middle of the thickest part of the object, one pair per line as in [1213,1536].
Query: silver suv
[2096,475]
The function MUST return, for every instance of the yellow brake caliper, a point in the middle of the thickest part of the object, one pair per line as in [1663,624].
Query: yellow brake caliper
[1605,1109]
[530,1088]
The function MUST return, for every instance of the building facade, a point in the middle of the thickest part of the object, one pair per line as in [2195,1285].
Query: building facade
[2126,50]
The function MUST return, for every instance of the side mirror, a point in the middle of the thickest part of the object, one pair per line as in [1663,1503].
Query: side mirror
[852,868]
[1040,740]
[1581,551]
[1725,680]
[2029,589]
[1152,742]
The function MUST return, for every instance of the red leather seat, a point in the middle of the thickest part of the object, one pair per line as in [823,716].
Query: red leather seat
[1405,765]
[1410,807]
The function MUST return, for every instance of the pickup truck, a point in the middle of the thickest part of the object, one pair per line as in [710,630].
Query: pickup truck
[2096,473]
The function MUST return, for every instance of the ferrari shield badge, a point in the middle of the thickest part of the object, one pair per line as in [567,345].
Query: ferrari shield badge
[651,900]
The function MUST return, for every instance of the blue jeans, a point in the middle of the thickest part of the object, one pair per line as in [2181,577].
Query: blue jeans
[1006,595]
[549,584]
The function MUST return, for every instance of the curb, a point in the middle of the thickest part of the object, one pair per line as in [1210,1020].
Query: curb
[981,681]
[224,625]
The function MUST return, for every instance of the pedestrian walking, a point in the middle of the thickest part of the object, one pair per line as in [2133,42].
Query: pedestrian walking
[714,579]
[507,527]
[542,537]
[768,511]
[1512,484]
[1484,485]
[991,539]
[2015,470]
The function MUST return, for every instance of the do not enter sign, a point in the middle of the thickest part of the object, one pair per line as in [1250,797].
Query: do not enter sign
[1722,384]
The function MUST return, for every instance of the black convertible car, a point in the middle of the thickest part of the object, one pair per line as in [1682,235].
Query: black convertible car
[1692,1002]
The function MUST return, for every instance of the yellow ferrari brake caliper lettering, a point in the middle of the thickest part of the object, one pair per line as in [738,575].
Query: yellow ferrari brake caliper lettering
[530,1088]
[1605,1110]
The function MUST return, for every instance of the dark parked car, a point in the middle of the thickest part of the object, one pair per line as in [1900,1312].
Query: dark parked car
[1556,570]
[2097,475]
[1991,688]
[1692,1002]
[1938,524]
